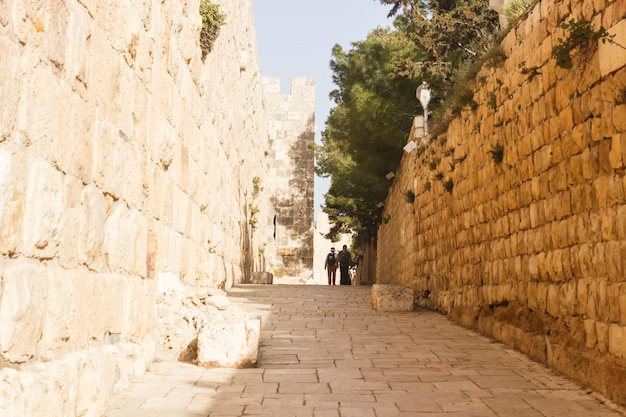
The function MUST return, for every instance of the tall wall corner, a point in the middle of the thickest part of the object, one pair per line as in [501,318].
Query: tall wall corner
[291,131]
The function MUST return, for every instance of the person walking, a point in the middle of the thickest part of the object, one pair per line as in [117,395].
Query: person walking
[345,262]
[330,265]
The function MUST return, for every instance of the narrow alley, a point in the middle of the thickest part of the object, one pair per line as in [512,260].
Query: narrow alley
[326,353]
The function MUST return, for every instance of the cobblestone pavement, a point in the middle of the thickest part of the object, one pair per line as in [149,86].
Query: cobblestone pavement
[326,353]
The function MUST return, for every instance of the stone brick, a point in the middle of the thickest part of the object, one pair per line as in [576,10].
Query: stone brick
[553,305]
[600,152]
[557,177]
[617,340]
[602,335]
[534,215]
[593,300]
[599,5]
[559,234]
[73,150]
[582,198]
[43,210]
[616,194]
[229,343]
[564,205]
[616,14]
[608,225]
[261,278]
[533,267]
[396,298]
[23,308]
[618,150]
[585,259]
[613,292]
[543,264]
[583,296]
[601,128]
[542,296]
[587,10]
[581,137]
[580,108]
[614,261]
[589,164]
[125,246]
[619,118]
[568,272]
[601,190]
[591,337]
[575,223]
[59,309]
[622,306]
[601,288]
[610,54]
[12,188]
[575,169]
[595,227]
[568,299]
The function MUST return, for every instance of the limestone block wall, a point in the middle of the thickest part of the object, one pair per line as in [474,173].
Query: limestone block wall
[532,250]
[123,157]
[291,131]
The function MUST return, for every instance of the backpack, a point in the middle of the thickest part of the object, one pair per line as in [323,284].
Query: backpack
[331,260]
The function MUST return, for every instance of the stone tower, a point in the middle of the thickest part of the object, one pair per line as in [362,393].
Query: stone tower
[291,132]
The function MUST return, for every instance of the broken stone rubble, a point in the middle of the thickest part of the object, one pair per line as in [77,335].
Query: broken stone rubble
[202,326]
[392,298]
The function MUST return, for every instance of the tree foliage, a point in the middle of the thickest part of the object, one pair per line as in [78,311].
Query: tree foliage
[365,132]
[432,40]
[454,34]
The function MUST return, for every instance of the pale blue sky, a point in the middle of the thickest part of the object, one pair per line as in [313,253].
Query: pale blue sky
[296,37]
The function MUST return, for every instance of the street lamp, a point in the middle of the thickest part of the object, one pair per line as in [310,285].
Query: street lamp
[423,95]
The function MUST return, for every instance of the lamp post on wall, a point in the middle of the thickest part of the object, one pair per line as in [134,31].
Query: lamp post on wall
[423,95]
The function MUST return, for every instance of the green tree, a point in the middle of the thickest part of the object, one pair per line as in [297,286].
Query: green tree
[455,34]
[439,41]
[366,131]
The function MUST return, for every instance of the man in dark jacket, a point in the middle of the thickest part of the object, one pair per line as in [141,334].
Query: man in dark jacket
[345,262]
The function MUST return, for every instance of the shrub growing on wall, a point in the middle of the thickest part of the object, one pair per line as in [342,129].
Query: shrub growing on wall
[212,21]
[497,153]
[581,37]
[516,9]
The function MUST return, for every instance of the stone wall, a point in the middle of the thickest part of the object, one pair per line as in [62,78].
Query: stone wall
[291,133]
[123,157]
[532,250]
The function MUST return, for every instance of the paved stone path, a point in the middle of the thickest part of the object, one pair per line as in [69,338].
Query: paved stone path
[326,353]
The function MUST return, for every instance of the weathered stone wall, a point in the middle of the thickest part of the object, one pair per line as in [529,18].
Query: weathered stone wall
[531,251]
[291,131]
[123,157]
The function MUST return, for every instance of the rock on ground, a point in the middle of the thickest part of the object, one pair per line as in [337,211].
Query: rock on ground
[390,297]
[229,338]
